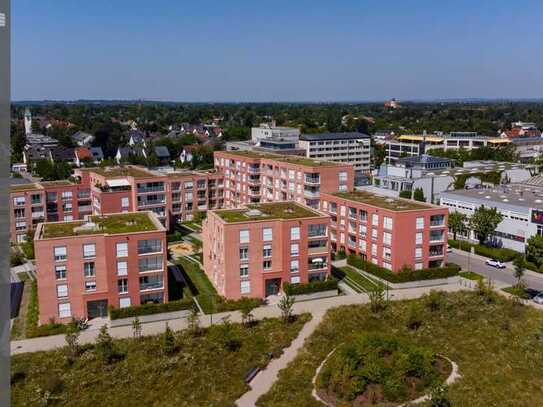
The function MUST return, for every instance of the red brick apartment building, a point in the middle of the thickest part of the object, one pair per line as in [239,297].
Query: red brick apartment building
[171,196]
[252,251]
[251,177]
[84,267]
[389,232]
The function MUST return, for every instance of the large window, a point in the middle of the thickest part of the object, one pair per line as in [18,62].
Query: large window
[420,223]
[244,253]
[62,290]
[294,249]
[295,233]
[316,230]
[149,246]
[267,234]
[89,250]
[60,272]
[64,310]
[122,285]
[124,302]
[90,285]
[294,266]
[418,238]
[244,236]
[387,238]
[267,265]
[122,249]
[60,253]
[122,268]
[387,223]
[244,270]
[245,287]
[267,250]
[88,269]
[151,282]
[151,263]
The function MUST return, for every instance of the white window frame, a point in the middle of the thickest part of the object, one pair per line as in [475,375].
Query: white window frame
[244,236]
[64,310]
[295,233]
[89,250]
[62,290]
[245,287]
[121,249]
[267,234]
[123,270]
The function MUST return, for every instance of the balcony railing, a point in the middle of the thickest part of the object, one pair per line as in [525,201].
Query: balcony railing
[312,180]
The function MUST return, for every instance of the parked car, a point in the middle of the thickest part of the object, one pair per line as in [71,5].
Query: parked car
[538,298]
[449,249]
[495,263]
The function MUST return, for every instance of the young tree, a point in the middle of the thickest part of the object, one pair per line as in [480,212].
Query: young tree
[285,305]
[194,321]
[534,250]
[457,223]
[136,328]
[519,264]
[247,307]
[105,348]
[72,341]
[377,298]
[168,341]
[418,195]
[484,222]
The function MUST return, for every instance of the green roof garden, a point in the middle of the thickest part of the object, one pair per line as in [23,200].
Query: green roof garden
[128,171]
[109,224]
[267,211]
[25,187]
[394,204]
[293,159]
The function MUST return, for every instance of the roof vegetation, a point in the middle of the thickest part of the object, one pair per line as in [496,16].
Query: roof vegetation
[285,158]
[267,211]
[393,204]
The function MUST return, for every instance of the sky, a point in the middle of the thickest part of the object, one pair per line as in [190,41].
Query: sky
[282,50]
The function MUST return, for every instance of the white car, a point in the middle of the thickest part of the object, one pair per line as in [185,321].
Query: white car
[495,263]
[449,249]
[538,298]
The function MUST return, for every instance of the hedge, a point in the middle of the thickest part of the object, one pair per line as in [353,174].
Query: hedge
[149,309]
[223,305]
[311,287]
[403,276]
[32,317]
[499,253]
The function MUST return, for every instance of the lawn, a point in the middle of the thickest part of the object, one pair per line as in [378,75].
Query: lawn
[201,371]
[470,275]
[497,345]
[356,280]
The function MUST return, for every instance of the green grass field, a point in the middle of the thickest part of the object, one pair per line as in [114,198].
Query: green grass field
[497,345]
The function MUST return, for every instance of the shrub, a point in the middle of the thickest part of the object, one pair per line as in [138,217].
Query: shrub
[415,316]
[434,300]
[16,258]
[223,305]
[286,305]
[502,254]
[311,287]
[168,341]
[105,347]
[149,309]
[406,275]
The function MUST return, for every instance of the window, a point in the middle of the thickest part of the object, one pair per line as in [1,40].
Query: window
[60,253]
[88,269]
[267,264]
[294,266]
[122,268]
[387,238]
[122,249]
[295,233]
[62,290]
[68,218]
[387,265]
[124,302]
[316,230]
[342,176]
[244,253]
[90,285]
[418,266]
[122,285]
[267,234]
[67,195]
[245,287]
[362,245]
[387,253]
[295,280]
[151,282]
[64,310]
[418,238]
[244,271]
[89,250]
[294,249]
[387,223]
[267,251]
[418,252]
[149,246]
[60,272]
[244,236]
[362,230]
[152,263]
[375,219]
[374,234]
[19,201]
[374,250]
[420,223]
[125,202]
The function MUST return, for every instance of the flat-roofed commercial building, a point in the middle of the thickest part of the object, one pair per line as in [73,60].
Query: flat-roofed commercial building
[251,177]
[347,148]
[521,206]
[115,260]
[389,232]
[253,251]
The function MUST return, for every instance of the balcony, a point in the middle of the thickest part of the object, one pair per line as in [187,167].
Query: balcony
[317,264]
[312,179]
[311,193]
[437,220]
[37,215]
[253,170]
[85,208]
[146,189]
[436,251]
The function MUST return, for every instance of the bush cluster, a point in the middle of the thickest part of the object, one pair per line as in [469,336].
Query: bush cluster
[406,274]
[498,253]
[148,309]
[311,287]
[223,305]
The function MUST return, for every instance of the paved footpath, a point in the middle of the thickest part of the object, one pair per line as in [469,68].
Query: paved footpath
[154,328]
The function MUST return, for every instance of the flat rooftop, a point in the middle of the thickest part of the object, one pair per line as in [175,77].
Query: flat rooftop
[122,171]
[504,196]
[99,225]
[25,187]
[267,211]
[292,159]
[385,202]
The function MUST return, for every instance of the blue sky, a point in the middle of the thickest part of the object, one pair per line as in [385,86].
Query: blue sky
[297,50]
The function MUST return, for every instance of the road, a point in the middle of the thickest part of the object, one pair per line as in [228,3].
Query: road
[507,275]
